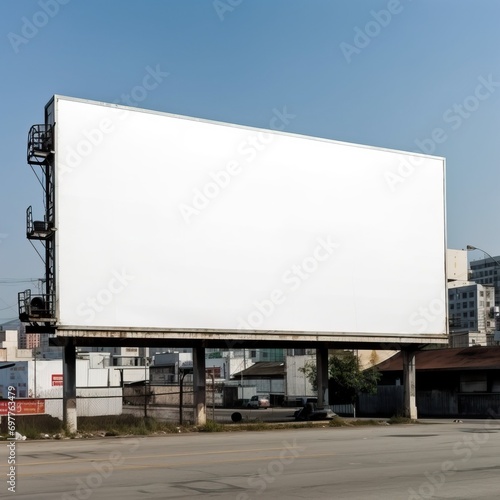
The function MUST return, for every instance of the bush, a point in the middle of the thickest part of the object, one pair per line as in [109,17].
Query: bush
[32,426]
[212,426]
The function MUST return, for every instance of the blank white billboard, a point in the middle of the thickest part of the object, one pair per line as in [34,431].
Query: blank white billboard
[169,222]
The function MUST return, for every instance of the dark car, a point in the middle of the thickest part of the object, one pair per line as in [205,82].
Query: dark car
[311,412]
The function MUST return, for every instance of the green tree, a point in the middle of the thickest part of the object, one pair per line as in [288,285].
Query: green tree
[347,380]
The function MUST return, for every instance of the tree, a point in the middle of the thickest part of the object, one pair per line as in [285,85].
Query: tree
[347,380]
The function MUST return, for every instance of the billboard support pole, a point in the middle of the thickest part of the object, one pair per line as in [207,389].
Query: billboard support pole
[69,388]
[409,382]
[199,386]
[322,375]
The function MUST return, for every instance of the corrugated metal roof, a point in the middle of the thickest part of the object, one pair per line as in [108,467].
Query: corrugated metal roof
[263,369]
[468,358]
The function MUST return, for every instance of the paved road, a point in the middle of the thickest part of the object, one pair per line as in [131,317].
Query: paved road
[222,415]
[446,460]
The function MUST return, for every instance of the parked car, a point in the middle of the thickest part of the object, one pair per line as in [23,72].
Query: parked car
[311,412]
[258,402]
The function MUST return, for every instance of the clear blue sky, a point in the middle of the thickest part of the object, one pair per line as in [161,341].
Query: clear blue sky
[236,61]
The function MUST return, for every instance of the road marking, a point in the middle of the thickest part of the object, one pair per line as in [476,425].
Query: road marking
[172,455]
[156,465]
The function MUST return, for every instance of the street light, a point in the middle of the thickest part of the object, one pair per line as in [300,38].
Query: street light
[471,247]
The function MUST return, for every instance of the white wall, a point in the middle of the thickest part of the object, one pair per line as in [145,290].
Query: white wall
[297,383]
[456,265]
[90,403]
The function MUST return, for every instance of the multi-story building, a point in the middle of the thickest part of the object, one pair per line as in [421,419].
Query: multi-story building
[472,313]
[487,272]
[29,340]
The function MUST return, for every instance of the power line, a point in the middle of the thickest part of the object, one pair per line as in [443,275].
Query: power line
[8,281]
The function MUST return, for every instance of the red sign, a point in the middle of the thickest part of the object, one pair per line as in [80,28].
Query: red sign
[22,407]
[213,370]
[57,380]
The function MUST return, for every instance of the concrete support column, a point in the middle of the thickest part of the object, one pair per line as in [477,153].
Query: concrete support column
[409,384]
[69,388]
[322,375]
[199,386]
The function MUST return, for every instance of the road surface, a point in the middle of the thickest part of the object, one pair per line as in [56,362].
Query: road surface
[437,460]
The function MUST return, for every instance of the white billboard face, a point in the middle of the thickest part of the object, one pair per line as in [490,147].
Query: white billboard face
[175,223]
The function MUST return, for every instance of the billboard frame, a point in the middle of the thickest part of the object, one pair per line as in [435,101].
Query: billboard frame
[112,335]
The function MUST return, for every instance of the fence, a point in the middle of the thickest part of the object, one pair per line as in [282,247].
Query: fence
[389,401]
[90,402]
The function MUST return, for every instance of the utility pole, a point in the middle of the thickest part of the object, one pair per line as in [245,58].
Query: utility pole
[35,354]
[145,387]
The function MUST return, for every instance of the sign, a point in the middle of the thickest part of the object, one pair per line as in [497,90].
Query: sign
[213,370]
[239,268]
[57,380]
[23,407]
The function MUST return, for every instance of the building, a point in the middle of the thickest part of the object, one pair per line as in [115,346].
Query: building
[472,313]
[456,265]
[487,272]
[9,348]
[450,383]
[29,340]
[471,304]
[268,378]
[99,388]
[167,366]
[267,355]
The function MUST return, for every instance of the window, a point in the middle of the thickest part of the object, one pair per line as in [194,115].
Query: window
[481,293]
[471,324]
[471,303]
[452,306]
[464,305]
[472,314]
[481,303]
[458,305]
[464,314]
[471,294]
